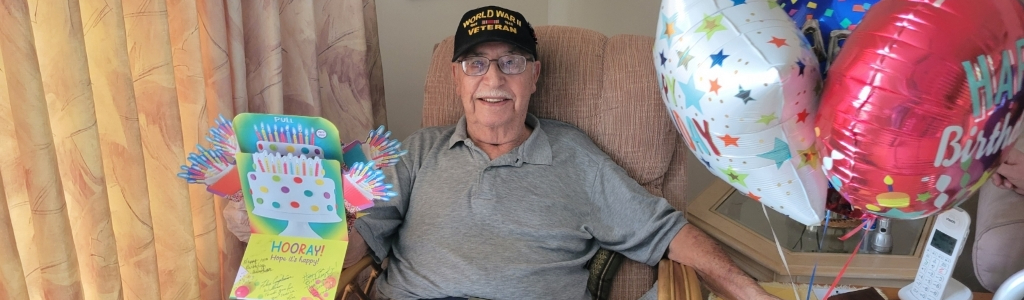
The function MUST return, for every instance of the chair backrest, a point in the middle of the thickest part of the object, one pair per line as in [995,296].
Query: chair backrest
[607,87]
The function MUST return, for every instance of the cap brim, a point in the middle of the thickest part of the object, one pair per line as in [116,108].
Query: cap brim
[459,52]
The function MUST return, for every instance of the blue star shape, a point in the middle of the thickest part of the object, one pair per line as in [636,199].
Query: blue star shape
[744,95]
[691,93]
[798,64]
[738,2]
[706,162]
[663,59]
[779,154]
[718,59]
[668,34]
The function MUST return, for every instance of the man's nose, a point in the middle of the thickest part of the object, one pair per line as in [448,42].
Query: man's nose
[494,75]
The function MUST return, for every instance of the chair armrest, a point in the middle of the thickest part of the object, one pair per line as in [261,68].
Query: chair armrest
[677,281]
[349,280]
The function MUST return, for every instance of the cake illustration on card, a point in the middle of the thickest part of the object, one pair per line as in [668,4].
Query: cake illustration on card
[294,189]
[288,139]
[299,136]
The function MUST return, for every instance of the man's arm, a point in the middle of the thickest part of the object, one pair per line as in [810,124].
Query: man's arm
[694,248]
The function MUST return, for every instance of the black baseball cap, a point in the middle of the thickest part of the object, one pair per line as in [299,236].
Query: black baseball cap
[494,24]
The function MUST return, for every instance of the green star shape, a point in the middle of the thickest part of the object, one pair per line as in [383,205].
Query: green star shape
[710,25]
[766,119]
[924,196]
[735,176]
[684,58]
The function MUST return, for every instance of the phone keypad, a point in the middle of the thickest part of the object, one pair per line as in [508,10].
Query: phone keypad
[933,275]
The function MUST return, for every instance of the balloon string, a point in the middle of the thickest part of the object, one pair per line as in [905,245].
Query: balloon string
[781,254]
[868,220]
[824,231]
[843,270]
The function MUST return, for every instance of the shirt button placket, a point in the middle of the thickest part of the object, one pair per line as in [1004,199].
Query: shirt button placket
[485,189]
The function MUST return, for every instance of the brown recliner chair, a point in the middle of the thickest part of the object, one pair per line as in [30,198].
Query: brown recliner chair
[607,87]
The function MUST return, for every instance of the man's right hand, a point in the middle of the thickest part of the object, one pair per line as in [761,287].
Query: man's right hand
[1010,175]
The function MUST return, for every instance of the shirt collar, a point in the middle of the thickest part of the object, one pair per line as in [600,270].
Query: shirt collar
[535,150]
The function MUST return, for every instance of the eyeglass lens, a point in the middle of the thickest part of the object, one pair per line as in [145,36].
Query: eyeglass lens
[508,64]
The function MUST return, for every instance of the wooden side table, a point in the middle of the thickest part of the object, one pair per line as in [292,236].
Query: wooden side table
[739,223]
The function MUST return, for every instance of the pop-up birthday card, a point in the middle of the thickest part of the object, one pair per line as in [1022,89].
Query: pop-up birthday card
[290,171]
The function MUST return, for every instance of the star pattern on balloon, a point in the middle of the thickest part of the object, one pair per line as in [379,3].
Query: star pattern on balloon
[767,119]
[755,197]
[734,176]
[670,89]
[802,116]
[729,140]
[684,58]
[744,95]
[670,30]
[718,59]
[692,94]
[706,162]
[808,157]
[799,64]
[923,197]
[715,86]
[779,154]
[778,42]
[663,60]
[710,25]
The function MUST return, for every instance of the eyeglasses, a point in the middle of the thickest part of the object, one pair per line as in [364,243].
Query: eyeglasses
[508,64]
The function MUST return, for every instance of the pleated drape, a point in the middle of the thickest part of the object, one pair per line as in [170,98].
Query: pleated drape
[100,102]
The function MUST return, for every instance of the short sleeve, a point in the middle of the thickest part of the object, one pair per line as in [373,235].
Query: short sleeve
[625,218]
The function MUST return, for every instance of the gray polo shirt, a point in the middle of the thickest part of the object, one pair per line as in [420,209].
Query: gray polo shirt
[519,227]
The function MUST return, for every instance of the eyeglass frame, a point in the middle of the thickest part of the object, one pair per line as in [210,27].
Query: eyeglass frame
[462,62]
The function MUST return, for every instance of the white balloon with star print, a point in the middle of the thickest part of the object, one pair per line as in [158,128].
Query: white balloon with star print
[742,85]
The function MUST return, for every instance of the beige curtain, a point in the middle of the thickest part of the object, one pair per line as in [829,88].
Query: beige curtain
[101,100]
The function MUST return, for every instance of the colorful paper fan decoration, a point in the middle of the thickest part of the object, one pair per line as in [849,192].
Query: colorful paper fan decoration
[207,166]
[210,166]
[383,151]
[364,183]
[222,136]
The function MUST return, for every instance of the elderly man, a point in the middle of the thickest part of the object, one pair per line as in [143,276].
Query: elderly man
[504,205]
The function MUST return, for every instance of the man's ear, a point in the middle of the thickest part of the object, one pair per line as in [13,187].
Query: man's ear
[536,74]
[455,76]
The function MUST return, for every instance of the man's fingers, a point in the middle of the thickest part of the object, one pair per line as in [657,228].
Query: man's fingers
[1019,191]
[997,180]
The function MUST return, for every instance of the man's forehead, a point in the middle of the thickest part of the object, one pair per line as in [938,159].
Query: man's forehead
[493,47]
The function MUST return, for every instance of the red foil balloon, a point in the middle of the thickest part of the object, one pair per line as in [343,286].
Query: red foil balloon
[921,102]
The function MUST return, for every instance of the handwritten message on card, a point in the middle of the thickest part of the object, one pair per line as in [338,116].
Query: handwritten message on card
[284,267]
